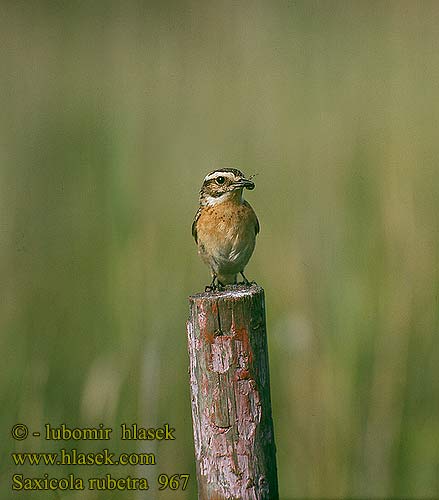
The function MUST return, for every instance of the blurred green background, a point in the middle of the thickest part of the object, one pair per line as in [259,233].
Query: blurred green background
[111,115]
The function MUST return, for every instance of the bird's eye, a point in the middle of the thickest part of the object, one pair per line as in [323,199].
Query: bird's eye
[220,180]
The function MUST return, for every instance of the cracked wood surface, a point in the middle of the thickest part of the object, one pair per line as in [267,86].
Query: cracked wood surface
[230,390]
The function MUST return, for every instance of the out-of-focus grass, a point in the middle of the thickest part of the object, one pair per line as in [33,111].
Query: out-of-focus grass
[112,114]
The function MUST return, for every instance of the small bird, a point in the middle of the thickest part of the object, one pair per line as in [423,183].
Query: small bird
[225,226]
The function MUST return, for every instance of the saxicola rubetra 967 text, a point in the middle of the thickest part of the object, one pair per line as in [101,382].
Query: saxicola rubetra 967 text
[225,225]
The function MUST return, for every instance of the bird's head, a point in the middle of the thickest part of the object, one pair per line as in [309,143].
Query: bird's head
[223,184]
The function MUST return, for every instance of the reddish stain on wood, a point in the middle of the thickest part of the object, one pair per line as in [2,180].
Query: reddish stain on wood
[241,374]
[214,308]
[242,335]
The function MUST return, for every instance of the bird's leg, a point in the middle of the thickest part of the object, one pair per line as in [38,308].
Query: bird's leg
[246,281]
[212,287]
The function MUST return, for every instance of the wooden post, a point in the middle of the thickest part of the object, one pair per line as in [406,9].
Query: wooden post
[230,389]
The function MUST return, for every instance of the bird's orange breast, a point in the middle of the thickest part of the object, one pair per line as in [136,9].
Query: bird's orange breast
[226,221]
[226,236]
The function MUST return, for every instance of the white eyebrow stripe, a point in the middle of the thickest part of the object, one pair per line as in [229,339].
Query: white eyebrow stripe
[219,173]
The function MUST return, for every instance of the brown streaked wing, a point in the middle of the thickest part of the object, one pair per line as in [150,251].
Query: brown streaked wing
[257,227]
[194,224]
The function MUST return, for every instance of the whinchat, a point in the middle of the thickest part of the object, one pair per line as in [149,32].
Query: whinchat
[225,225]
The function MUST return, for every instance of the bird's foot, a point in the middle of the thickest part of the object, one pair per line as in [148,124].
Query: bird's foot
[220,286]
[215,286]
[246,283]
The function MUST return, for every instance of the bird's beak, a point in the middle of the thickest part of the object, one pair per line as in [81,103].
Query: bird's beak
[244,183]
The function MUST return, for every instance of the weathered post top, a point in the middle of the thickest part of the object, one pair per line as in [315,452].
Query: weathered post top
[230,390]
